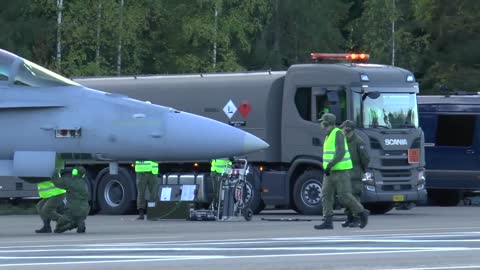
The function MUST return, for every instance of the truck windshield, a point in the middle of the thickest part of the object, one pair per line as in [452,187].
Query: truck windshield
[388,110]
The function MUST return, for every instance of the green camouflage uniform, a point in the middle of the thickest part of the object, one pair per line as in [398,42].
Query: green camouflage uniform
[338,182]
[217,170]
[77,199]
[337,167]
[360,160]
[147,172]
[48,208]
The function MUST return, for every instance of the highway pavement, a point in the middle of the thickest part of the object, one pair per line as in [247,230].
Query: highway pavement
[421,238]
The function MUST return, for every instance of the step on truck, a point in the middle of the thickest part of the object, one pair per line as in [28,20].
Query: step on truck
[451,124]
[283,108]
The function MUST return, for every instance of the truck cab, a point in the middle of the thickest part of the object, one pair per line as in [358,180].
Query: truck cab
[452,141]
[381,100]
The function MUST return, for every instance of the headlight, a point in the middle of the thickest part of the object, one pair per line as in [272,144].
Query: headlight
[421,180]
[368,179]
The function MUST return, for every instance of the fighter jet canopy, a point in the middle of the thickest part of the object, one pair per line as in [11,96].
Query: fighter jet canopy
[23,72]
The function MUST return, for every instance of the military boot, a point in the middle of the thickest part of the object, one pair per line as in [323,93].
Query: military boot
[65,227]
[348,221]
[327,224]
[363,218]
[81,228]
[142,214]
[355,222]
[46,227]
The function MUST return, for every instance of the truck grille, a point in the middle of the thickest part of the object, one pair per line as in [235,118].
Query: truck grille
[396,187]
[396,173]
[394,162]
[375,144]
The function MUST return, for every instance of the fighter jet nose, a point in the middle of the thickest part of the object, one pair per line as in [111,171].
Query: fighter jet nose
[253,144]
[193,137]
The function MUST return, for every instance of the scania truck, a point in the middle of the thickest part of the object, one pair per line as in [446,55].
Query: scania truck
[283,108]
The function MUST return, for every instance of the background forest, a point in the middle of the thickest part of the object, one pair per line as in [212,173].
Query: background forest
[438,40]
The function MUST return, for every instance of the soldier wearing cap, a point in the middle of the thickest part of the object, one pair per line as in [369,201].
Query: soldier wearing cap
[337,165]
[360,160]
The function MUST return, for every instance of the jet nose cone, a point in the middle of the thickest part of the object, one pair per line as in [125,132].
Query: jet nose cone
[193,137]
[253,144]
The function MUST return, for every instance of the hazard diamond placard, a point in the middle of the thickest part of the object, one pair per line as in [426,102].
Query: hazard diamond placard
[230,109]
[244,109]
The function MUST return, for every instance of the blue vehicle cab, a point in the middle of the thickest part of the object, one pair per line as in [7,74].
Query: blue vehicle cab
[451,125]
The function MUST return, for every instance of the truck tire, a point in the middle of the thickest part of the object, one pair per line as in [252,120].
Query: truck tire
[253,188]
[114,193]
[378,208]
[307,192]
[444,197]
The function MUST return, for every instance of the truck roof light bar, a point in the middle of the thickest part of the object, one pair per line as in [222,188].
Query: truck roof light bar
[340,56]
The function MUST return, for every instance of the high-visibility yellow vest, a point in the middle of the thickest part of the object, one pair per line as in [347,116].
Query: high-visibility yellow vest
[146,166]
[47,189]
[329,152]
[218,165]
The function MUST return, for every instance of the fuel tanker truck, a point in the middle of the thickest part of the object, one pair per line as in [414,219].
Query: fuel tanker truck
[283,107]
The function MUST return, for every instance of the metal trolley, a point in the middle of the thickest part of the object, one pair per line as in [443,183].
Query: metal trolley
[232,193]
[231,204]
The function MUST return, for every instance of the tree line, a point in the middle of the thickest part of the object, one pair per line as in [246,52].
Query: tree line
[436,39]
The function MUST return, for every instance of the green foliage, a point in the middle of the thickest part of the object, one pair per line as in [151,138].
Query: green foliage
[437,40]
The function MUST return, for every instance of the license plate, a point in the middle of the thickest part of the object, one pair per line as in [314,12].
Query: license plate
[398,198]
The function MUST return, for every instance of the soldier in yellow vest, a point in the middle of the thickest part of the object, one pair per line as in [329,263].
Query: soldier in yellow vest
[337,165]
[147,172]
[217,169]
[51,199]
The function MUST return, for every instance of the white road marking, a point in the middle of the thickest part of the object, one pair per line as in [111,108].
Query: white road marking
[203,257]
[88,239]
[420,229]
[440,267]
[234,249]
[387,238]
[255,246]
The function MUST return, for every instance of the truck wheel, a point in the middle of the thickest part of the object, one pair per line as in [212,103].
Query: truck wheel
[444,197]
[248,214]
[114,194]
[378,208]
[307,193]
[252,192]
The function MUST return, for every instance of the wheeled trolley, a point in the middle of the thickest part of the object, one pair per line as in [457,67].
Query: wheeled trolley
[231,204]
[232,192]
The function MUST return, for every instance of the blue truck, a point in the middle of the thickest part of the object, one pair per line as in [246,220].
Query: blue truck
[451,125]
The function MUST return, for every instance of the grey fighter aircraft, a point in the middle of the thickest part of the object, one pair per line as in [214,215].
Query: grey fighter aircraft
[43,114]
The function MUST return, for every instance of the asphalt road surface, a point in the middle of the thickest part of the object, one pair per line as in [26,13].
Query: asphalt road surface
[422,238]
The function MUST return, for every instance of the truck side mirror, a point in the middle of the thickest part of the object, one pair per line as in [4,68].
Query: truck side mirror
[372,95]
